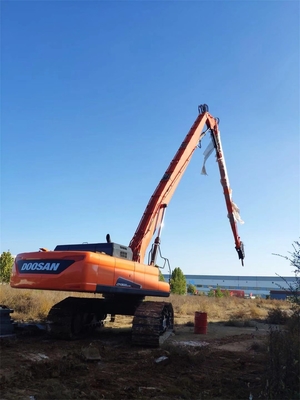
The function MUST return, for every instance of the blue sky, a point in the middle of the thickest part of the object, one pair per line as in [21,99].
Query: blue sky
[96,98]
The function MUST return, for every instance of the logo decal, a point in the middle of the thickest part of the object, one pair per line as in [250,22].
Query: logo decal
[127,284]
[43,267]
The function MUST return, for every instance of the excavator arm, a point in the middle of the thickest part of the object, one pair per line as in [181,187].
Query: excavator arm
[152,218]
[232,209]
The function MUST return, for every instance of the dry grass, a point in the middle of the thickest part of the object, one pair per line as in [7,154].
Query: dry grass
[34,305]
[226,308]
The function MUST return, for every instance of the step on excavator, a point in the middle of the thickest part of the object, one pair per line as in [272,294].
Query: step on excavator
[117,272]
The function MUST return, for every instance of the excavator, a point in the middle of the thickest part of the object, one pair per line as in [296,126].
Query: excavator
[117,272]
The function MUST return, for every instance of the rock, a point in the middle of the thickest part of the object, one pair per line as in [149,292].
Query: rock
[162,360]
[91,353]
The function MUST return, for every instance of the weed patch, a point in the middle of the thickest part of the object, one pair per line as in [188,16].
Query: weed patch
[277,316]
[283,359]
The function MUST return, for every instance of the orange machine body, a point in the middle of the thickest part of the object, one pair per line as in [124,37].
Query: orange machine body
[80,271]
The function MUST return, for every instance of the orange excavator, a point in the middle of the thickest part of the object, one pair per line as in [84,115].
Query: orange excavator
[118,272]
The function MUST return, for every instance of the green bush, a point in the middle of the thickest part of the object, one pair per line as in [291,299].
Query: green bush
[218,293]
[6,264]
[178,282]
[191,289]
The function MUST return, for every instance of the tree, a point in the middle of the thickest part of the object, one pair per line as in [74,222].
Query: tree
[191,289]
[161,277]
[294,260]
[178,282]
[6,263]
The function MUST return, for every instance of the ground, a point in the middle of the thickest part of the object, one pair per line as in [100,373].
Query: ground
[225,363]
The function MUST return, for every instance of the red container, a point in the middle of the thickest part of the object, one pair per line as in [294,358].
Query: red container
[200,322]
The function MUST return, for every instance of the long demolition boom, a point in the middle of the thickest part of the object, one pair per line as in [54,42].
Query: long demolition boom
[154,212]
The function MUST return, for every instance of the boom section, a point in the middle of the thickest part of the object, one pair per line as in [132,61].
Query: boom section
[164,191]
[232,209]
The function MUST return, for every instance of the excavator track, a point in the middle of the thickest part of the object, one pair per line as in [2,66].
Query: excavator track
[73,317]
[70,319]
[59,323]
[152,323]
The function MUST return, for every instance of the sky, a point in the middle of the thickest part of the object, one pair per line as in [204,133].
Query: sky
[96,98]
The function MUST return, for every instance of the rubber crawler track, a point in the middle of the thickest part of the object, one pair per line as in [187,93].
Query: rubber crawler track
[152,323]
[66,318]
[59,324]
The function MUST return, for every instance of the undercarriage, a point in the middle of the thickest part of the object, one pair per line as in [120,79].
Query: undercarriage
[74,317]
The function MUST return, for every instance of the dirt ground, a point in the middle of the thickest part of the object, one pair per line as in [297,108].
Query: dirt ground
[225,363]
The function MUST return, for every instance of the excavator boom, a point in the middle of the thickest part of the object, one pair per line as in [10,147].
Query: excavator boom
[153,214]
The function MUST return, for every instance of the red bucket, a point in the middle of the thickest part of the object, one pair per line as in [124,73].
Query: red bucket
[200,322]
